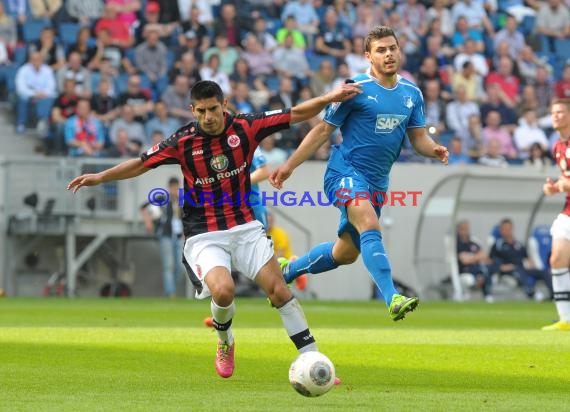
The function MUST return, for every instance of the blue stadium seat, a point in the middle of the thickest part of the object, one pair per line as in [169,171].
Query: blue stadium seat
[527,25]
[20,55]
[562,47]
[170,56]
[95,79]
[272,82]
[540,246]
[316,59]
[130,54]
[32,29]
[67,33]
[273,25]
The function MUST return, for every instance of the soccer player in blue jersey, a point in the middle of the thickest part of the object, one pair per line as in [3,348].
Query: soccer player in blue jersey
[373,126]
[259,171]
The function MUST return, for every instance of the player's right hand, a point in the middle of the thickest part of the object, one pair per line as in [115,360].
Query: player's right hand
[279,175]
[91,179]
[550,188]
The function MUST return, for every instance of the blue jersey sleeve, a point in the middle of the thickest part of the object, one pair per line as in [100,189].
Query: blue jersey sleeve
[258,160]
[417,117]
[337,113]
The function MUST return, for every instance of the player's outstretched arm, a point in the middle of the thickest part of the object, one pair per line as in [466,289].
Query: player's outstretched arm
[425,146]
[312,107]
[124,170]
[314,139]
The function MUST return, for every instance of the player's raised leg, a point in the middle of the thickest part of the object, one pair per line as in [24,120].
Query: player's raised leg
[221,285]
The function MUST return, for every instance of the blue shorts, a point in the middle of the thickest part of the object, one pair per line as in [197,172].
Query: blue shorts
[344,185]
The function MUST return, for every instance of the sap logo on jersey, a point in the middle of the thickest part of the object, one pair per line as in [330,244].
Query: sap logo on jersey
[385,123]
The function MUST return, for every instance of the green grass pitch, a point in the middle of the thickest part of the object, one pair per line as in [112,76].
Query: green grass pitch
[156,355]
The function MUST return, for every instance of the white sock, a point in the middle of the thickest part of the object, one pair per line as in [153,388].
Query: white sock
[223,321]
[296,325]
[561,288]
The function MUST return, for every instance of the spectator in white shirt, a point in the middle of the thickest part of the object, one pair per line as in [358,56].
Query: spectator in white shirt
[35,83]
[528,133]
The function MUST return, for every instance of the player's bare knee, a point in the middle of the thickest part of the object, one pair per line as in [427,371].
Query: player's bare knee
[223,293]
[279,295]
[346,257]
[558,260]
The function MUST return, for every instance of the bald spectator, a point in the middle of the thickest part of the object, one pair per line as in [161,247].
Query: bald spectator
[493,156]
[137,98]
[505,78]
[84,132]
[127,121]
[75,71]
[162,122]
[529,133]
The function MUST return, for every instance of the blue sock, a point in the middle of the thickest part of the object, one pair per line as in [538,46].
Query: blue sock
[376,261]
[318,260]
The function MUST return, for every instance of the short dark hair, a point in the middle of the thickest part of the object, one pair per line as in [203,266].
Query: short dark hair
[377,33]
[205,89]
[505,221]
[173,181]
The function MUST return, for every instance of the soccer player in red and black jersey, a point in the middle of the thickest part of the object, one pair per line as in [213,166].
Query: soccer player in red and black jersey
[221,232]
[560,230]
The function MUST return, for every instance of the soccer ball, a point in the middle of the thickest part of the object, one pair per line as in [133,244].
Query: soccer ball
[312,374]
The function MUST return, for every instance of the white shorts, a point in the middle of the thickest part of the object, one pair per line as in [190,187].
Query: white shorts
[560,228]
[244,248]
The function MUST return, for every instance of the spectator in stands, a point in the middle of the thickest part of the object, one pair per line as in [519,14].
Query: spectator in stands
[275,156]
[290,28]
[166,224]
[285,96]
[83,47]
[118,28]
[528,133]
[492,156]
[472,260]
[356,61]
[457,154]
[528,63]
[538,157]
[151,21]
[511,36]
[109,49]
[74,70]
[562,86]
[442,52]
[494,131]
[5,69]
[205,12]
[84,134]
[368,14]
[229,26]
[462,33]
[85,12]
[409,41]
[46,9]
[17,9]
[552,22]
[333,38]
[177,100]
[240,102]
[186,66]
[511,259]
[458,113]
[434,108]
[260,61]
[151,60]
[414,15]
[126,11]
[195,27]
[322,80]
[211,71]
[63,108]
[441,12]
[504,77]
[156,137]
[188,43]
[469,79]
[497,100]
[429,70]
[162,122]
[520,8]
[127,121]
[104,105]
[227,54]
[8,29]
[123,147]
[544,89]
[53,53]
[475,15]
[137,98]
[470,54]
[291,61]
[35,83]
[528,100]
[265,38]
[306,17]
[241,73]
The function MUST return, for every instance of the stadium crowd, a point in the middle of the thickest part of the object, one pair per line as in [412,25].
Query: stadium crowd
[111,77]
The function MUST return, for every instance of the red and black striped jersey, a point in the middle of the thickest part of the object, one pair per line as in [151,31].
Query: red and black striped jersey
[216,168]
[561,154]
